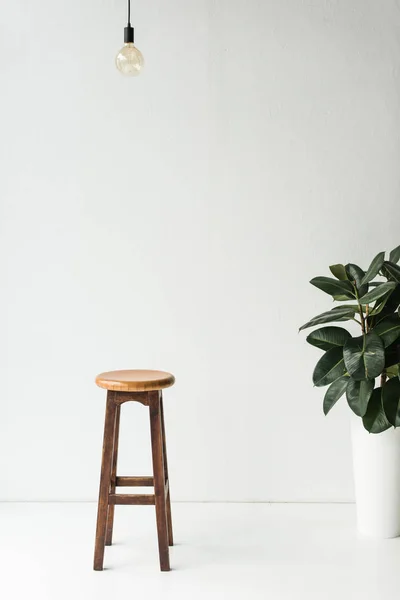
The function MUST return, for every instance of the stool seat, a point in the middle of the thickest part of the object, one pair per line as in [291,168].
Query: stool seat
[135,380]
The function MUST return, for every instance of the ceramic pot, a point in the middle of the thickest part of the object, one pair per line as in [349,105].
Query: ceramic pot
[376,461]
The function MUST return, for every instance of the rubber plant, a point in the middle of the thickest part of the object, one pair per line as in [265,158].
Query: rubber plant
[365,368]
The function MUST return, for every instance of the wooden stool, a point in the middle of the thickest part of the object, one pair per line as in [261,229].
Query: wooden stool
[144,387]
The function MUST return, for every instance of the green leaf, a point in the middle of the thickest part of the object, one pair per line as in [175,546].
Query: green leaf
[394,256]
[341,298]
[328,337]
[392,355]
[392,371]
[391,270]
[388,330]
[391,304]
[329,367]
[393,300]
[379,306]
[375,420]
[377,292]
[340,313]
[391,401]
[355,307]
[334,287]
[334,392]
[374,268]
[386,307]
[355,275]
[364,356]
[358,394]
[339,272]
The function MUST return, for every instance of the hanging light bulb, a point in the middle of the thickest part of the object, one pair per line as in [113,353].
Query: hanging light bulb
[129,60]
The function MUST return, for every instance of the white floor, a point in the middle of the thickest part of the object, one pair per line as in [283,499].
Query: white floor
[232,551]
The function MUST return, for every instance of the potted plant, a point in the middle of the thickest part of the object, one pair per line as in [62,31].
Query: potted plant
[365,369]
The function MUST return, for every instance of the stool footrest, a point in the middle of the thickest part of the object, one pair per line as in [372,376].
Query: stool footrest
[135,482]
[141,499]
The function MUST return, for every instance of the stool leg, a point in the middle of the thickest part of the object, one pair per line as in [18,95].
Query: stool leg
[111,508]
[159,479]
[105,481]
[169,515]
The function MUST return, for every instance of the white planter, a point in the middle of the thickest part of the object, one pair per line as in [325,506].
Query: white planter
[376,460]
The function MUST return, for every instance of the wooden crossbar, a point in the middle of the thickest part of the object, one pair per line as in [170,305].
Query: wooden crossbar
[138,499]
[135,481]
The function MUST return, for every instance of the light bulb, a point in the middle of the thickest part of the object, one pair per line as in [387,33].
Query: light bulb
[129,60]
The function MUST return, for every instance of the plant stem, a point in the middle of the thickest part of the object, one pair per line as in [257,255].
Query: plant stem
[360,310]
[362,319]
[366,317]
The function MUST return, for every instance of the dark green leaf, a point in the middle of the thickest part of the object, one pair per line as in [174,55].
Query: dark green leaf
[391,271]
[329,367]
[328,337]
[387,306]
[375,420]
[379,306]
[341,298]
[364,356]
[358,394]
[377,292]
[374,267]
[334,392]
[393,300]
[338,314]
[391,401]
[394,256]
[388,329]
[339,272]
[333,286]
[355,307]
[392,355]
[355,275]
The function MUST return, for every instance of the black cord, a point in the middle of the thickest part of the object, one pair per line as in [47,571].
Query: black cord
[129,12]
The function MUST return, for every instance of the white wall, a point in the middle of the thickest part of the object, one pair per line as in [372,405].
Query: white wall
[173,222]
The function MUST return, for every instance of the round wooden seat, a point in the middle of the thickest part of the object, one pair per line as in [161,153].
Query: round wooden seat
[135,380]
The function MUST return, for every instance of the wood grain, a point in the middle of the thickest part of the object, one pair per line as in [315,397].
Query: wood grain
[138,499]
[135,481]
[142,397]
[135,380]
[109,480]
[167,486]
[105,478]
[110,514]
[159,479]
